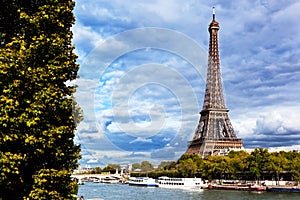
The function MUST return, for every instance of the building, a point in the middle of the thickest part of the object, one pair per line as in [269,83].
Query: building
[214,134]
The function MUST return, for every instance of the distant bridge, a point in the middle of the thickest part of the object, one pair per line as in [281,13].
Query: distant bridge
[95,176]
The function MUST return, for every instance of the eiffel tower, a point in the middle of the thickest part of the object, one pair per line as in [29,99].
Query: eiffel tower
[214,134]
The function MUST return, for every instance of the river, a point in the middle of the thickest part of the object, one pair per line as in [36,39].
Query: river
[122,191]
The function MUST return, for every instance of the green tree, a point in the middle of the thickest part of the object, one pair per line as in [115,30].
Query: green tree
[146,166]
[112,168]
[187,168]
[171,166]
[296,167]
[43,190]
[165,164]
[109,169]
[136,166]
[37,124]
[219,166]
[238,162]
[10,21]
[189,165]
[277,164]
[259,161]
[96,170]
[195,158]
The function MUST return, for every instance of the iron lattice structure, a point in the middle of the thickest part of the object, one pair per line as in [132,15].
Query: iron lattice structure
[214,134]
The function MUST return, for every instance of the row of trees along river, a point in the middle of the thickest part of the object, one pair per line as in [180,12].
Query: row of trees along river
[257,165]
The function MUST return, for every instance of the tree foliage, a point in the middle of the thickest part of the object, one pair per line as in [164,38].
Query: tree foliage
[43,190]
[112,168]
[167,164]
[188,165]
[146,166]
[36,105]
[136,166]
[259,161]
[216,166]
[255,164]
[237,165]
[96,170]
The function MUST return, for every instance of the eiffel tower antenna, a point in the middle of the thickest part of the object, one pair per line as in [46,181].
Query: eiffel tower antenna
[214,134]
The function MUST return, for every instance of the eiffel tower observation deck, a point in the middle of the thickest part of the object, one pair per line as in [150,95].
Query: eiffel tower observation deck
[214,134]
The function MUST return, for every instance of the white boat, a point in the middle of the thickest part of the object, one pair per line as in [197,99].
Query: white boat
[143,182]
[110,180]
[180,183]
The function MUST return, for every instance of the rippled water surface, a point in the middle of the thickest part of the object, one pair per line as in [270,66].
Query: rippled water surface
[123,191]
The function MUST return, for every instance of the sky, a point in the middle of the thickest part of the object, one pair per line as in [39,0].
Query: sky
[143,71]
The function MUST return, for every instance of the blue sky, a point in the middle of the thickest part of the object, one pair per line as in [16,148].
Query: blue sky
[143,70]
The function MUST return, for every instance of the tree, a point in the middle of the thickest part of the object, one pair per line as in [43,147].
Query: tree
[216,166]
[277,164]
[36,104]
[296,166]
[10,21]
[109,169]
[136,166]
[96,170]
[259,161]
[187,168]
[171,166]
[112,168]
[195,158]
[189,165]
[238,162]
[296,171]
[165,164]
[146,166]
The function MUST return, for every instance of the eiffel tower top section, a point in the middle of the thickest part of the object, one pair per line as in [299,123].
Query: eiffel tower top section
[214,96]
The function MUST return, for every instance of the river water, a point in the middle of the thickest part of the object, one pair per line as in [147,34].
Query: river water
[123,191]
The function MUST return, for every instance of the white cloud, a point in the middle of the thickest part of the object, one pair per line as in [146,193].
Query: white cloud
[270,127]
[92,161]
[139,139]
[124,85]
[85,39]
[281,121]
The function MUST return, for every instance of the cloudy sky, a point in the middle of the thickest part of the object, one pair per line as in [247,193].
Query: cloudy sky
[143,71]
